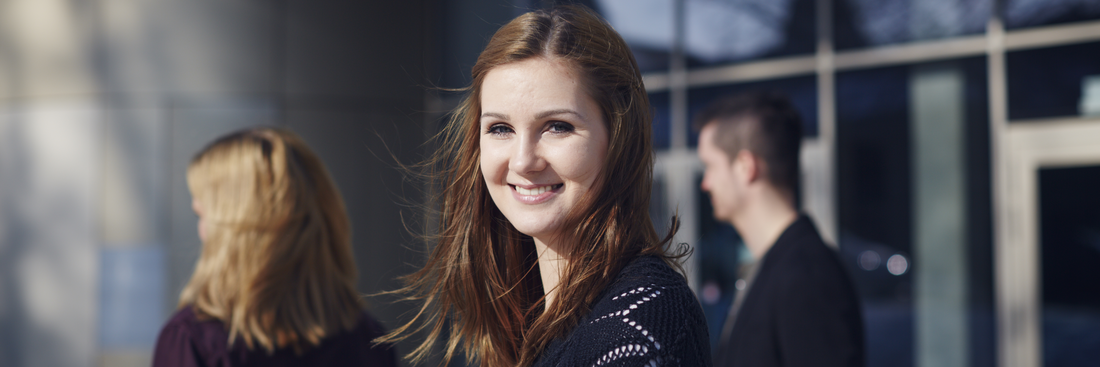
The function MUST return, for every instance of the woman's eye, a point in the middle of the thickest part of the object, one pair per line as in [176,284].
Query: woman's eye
[560,127]
[499,129]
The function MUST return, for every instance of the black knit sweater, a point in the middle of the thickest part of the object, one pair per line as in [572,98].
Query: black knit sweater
[647,317]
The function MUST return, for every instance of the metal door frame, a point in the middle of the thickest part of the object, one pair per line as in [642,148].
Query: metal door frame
[1025,148]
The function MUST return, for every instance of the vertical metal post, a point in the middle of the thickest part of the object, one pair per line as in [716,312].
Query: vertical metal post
[1017,306]
[681,165]
[826,213]
[678,79]
[938,156]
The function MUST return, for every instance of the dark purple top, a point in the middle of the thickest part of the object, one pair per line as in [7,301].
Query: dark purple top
[187,342]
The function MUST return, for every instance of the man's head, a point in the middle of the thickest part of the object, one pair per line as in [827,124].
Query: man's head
[746,141]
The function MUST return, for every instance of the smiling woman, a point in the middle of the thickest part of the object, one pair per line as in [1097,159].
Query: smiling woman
[547,165]
[543,153]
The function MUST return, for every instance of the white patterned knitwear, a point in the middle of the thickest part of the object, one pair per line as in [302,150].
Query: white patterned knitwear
[647,317]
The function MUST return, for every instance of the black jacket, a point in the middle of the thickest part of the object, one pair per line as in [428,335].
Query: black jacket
[801,309]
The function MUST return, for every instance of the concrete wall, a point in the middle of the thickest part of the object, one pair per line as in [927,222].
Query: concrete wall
[102,104]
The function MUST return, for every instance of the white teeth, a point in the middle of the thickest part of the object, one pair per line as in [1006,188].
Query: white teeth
[534,191]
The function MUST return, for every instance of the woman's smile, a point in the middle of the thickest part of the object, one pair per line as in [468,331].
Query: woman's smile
[535,194]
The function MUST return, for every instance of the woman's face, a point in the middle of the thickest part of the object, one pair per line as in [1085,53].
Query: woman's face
[543,143]
[202,223]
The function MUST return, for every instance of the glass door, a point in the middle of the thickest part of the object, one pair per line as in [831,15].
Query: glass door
[1049,243]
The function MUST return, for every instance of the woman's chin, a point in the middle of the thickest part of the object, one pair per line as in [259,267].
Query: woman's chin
[540,232]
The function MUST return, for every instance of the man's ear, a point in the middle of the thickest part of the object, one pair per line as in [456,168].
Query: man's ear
[747,166]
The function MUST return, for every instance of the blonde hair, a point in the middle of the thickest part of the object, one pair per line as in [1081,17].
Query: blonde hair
[276,265]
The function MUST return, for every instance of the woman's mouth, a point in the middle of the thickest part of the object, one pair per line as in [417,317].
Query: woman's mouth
[535,191]
[535,195]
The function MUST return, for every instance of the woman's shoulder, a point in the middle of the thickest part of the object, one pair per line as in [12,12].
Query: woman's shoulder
[187,322]
[187,340]
[649,281]
[648,288]
[648,271]
[647,315]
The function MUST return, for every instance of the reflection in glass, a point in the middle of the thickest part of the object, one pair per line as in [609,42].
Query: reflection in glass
[1049,82]
[716,31]
[1030,13]
[727,31]
[869,23]
[646,25]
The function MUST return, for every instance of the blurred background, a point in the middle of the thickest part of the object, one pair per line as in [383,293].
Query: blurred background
[952,152]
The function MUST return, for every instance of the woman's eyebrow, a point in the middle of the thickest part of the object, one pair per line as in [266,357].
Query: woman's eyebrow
[541,115]
[495,114]
[562,111]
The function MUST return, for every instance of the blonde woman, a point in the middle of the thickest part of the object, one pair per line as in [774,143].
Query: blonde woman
[275,282]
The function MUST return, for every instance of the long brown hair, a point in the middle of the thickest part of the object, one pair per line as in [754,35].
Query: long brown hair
[481,278]
[276,265]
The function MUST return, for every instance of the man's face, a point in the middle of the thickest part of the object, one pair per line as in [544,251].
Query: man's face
[720,176]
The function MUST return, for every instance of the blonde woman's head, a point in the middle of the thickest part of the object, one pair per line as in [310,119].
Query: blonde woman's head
[276,264]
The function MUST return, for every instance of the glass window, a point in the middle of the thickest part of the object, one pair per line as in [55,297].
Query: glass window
[646,25]
[873,184]
[1070,250]
[872,23]
[877,187]
[724,31]
[1048,82]
[659,103]
[715,31]
[802,91]
[1031,13]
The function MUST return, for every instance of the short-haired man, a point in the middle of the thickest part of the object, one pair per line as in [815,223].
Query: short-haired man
[799,307]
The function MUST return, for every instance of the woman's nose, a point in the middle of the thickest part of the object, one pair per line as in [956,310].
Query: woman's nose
[526,156]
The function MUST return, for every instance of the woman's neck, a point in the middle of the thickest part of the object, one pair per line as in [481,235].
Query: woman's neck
[551,265]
